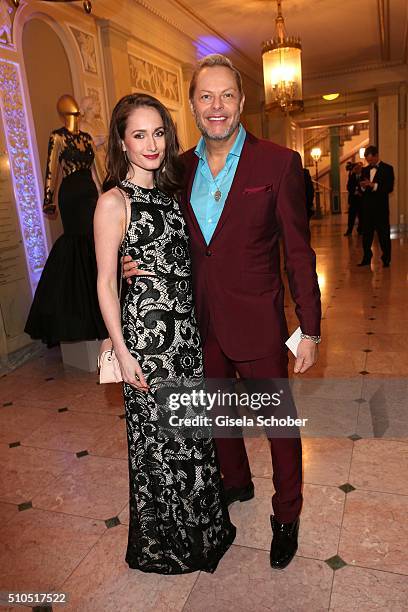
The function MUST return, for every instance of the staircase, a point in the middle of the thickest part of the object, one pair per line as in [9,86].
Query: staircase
[320,137]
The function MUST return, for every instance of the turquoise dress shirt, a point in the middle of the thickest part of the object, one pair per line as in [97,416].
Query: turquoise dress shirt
[206,209]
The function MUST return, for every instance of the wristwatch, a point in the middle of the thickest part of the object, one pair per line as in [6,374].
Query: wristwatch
[315,339]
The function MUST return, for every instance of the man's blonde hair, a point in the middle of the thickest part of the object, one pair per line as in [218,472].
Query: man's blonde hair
[215,59]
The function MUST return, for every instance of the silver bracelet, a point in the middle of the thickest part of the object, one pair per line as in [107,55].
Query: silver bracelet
[315,339]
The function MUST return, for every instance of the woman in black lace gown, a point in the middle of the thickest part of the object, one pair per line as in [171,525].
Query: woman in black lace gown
[178,520]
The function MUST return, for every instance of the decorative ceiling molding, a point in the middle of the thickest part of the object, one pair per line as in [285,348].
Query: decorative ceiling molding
[383,9]
[154,11]
[353,69]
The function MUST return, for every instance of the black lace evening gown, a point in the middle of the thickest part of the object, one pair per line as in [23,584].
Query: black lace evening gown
[179,522]
[65,306]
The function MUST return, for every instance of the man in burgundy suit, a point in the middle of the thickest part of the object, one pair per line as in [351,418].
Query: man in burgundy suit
[242,195]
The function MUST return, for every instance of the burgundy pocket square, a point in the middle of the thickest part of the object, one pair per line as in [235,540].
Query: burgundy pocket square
[260,189]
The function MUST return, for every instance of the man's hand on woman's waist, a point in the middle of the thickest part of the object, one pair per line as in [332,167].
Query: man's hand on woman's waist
[131,268]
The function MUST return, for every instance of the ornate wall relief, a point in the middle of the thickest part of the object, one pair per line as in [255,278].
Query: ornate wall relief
[153,79]
[6,23]
[93,122]
[86,46]
[22,168]
[96,94]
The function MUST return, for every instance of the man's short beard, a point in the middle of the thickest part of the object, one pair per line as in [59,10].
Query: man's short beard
[227,134]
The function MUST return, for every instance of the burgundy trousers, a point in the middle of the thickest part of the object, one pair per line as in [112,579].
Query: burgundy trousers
[286,453]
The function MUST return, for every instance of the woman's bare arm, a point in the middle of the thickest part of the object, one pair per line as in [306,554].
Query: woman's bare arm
[109,228]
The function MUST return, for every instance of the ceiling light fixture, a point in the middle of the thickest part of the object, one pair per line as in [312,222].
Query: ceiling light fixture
[282,68]
[330,97]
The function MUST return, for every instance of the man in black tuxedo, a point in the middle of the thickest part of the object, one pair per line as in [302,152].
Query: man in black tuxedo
[354,198]
[377,183]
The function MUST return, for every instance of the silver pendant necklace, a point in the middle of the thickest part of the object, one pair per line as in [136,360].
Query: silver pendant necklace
[218,193]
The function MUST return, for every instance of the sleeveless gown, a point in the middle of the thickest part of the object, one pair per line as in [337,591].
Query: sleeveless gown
[179,522]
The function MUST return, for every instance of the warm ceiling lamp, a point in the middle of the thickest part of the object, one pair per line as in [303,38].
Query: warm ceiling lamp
[331,97]
[282,68]
[86,4]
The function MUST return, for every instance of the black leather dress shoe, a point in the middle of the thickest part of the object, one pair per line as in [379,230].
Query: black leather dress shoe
[365,262]
[239,494]
[284,543]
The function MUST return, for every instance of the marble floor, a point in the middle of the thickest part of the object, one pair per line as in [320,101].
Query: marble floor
[63,473]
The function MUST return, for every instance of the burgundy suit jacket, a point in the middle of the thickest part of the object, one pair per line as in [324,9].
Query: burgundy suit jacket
[236,278]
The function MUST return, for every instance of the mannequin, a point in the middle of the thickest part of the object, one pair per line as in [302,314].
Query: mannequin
[69,112]
[65,306]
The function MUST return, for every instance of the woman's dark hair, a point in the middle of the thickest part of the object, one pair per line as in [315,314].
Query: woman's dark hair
[168,177]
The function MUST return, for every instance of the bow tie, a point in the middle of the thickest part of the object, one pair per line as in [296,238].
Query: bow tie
[374,167]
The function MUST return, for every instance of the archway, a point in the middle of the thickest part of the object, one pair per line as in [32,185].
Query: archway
[48,77]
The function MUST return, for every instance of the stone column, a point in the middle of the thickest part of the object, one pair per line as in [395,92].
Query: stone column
[403,158]
[373,124]
[279,127]
[335,169]
[115,58]
[388,140]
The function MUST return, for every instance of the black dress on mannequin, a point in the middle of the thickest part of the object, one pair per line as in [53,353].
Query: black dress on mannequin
[65,306]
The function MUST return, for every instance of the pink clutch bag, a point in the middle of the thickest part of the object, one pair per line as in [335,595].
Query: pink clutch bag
[108,366]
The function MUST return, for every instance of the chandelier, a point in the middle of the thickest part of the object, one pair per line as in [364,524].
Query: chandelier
[86,4]
[282,68]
